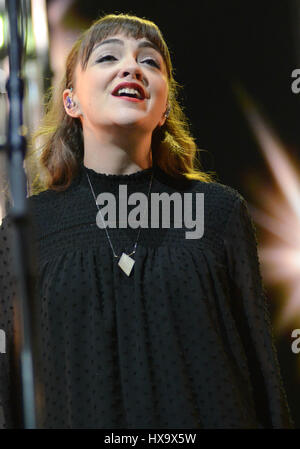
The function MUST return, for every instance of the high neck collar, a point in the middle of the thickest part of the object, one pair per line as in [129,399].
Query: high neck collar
[138,176]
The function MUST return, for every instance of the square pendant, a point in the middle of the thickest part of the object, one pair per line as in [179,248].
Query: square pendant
[126,263]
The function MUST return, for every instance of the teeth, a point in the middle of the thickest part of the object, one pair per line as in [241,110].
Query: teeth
[127,90]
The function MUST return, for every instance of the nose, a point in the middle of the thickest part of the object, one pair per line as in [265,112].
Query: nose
[131,67]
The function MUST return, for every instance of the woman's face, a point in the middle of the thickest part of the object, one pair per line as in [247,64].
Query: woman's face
[114,61]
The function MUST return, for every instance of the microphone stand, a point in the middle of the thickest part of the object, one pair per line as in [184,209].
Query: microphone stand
[23,250]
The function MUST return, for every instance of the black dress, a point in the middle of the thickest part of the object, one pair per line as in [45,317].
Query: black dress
[184,342]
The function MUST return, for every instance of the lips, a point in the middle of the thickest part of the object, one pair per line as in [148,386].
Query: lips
[130,86]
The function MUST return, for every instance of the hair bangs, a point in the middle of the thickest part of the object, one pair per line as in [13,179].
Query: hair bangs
[127,25]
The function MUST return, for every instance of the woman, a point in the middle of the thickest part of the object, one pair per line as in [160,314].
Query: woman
[141,328]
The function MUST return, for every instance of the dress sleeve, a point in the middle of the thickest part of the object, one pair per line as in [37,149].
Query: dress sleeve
[6,323]
[252,317]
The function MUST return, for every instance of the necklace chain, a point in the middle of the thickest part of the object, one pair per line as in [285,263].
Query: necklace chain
[135,245]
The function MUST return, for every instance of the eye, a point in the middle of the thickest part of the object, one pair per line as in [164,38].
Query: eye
[106,58]
[152,62]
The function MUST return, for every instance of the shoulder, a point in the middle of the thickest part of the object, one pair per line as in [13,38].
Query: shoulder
[222,205]
[48,201]
[219,195]
[44,197]
[34,203]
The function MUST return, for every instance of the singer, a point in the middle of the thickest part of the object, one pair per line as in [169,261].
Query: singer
[139,328]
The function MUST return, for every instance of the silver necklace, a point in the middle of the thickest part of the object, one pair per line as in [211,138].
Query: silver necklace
[125,261]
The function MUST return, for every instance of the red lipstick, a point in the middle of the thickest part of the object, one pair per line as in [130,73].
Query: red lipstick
[136,100]
[130,86]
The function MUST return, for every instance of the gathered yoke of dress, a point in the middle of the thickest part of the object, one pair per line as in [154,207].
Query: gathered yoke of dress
[185,341]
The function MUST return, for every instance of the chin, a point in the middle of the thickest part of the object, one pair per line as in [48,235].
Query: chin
[134,121]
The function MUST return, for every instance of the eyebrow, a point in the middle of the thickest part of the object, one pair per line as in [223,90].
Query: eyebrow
[142,44]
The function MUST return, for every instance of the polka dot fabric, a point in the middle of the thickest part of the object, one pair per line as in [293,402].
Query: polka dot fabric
[184,342]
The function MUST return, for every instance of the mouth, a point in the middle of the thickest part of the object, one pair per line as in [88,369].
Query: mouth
[126,98]
[129,91]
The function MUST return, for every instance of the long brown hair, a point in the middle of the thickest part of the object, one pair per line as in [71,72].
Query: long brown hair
[61,148]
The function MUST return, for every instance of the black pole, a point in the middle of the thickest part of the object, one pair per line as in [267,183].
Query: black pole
[23,248]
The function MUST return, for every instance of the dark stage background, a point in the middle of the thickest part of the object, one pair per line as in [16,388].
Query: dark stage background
[214,47]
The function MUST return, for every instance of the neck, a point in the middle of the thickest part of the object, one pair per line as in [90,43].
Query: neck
[111,154]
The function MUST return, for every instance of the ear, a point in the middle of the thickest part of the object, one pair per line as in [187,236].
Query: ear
[162,121]
[163,118]
[71,104]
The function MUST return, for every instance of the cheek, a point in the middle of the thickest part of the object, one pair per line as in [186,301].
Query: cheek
[160,88]
[162,96]
[92,95]
[164,89]
[92,84]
